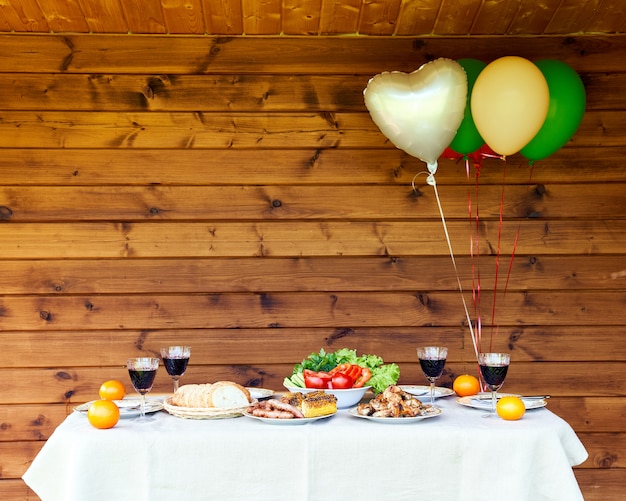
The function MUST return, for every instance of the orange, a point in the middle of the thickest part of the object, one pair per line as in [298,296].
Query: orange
[466,385]
[112,390]
[510,408]
[103,414]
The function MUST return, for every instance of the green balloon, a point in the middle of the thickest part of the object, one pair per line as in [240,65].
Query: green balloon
[467,138]
[565,111]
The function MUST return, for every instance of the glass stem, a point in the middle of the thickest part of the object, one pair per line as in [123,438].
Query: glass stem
[175,379]
[432,393]
[142,407]
[494,400]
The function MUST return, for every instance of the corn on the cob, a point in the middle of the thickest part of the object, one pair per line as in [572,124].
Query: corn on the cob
[318,404]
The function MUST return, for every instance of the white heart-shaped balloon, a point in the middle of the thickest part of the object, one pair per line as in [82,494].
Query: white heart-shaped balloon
[419,112]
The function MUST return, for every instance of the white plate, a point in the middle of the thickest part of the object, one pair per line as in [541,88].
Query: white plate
[436,411]
[294,421]
[424,391]
[483,401]
[258,393]
[129,407]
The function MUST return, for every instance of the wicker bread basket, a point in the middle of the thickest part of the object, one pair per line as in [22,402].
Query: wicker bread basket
[203,412]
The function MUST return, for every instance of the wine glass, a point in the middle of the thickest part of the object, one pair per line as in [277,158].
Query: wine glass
[142,372]
[175,360]
[432,360]
[493,367]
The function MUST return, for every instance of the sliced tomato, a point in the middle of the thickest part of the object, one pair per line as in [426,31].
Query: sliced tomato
[366,375]
[317,380]
[339,368]
[341,381]
[354,371]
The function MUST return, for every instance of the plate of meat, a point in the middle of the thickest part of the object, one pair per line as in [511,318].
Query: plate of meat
[283,420]
[394,405]
[294,408]
[430,413]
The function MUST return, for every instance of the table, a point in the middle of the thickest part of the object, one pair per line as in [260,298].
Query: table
[458,455]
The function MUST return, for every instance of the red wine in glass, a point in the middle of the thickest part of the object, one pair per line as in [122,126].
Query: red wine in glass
[493,368]
[432,361]
[176,366]
[142,372]
[494,375]
[142,379]
[432,369]
[175,360]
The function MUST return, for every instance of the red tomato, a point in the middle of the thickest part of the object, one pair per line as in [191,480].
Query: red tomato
[317,380]
[354,371]
[341,381]
[365,376]
[340,368]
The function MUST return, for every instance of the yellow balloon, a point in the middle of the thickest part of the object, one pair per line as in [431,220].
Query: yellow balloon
[509,103]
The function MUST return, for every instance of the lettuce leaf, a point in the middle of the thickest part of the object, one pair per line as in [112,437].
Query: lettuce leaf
[384,376]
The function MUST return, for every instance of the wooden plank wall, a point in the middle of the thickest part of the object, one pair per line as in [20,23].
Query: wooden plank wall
[234,194]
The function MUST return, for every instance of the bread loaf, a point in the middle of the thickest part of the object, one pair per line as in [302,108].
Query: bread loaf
[222,394]
[227,394]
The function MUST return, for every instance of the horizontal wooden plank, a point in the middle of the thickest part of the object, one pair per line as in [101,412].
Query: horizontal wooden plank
[228,93]
[606,450]
[106,276]
[592,414]
[101,348]
[187,130]
[133,203]
[71,167]
[93,53]
[334,309]
[14,489]
[601,484]
[194,93]
[303,238]
[16,457]
[31,422]
[76,129]
[75,384]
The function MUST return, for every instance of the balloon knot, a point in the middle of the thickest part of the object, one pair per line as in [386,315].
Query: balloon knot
[432,169]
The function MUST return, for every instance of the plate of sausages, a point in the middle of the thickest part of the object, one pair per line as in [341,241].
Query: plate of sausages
[276,412]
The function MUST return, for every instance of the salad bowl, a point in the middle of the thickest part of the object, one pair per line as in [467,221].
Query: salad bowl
[345,398]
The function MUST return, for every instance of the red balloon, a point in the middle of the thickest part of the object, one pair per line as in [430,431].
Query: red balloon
[450,154]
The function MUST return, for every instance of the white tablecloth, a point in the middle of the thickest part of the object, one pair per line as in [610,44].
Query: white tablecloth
[459,455]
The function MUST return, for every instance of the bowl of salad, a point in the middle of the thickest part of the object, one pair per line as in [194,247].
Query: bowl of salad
[342,373]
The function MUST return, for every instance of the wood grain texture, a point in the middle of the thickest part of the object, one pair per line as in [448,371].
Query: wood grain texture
[236,92]
[240,274]
[173,55]
[312,17]
[601,484]
[132,203]
[23,129]
[101,239]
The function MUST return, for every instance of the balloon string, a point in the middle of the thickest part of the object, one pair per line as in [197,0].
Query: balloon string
[519,224]
[475,251]
[432,169]
[497,272]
